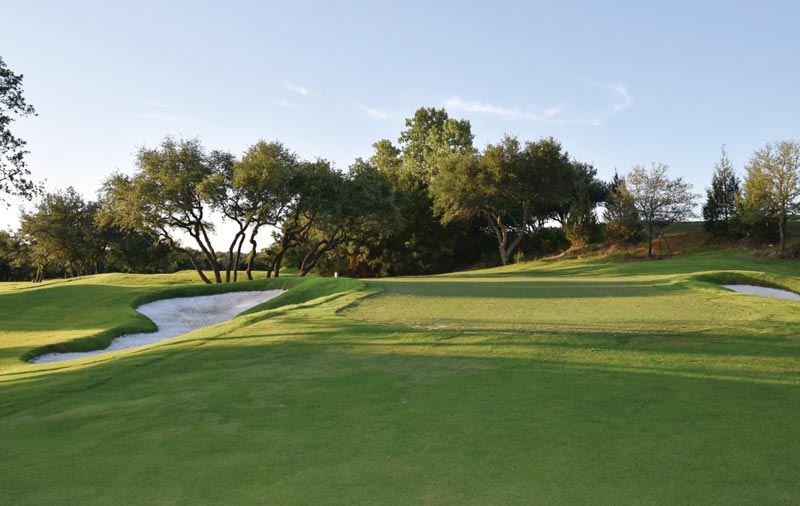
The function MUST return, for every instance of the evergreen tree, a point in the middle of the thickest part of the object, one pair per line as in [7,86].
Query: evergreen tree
[721,212]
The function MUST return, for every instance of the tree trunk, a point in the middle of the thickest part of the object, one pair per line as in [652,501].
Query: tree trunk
[238,258]
[649,241]
[782,230]
[198,269]
[253,252]
[232,264]
[209,252]
[276,264]
[496,224]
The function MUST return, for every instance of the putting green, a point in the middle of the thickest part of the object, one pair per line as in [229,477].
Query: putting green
[569,382]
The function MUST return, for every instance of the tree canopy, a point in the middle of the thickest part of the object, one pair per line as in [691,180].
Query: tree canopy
[772,184]
[14,175]
[658,200]
[721,209]
[513,188]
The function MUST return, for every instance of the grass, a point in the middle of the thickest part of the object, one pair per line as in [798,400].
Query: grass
[569,382]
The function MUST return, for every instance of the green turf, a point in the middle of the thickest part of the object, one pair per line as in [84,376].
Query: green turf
[568,382]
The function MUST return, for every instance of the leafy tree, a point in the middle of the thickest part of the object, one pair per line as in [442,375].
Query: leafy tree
[658,200]
[622,220]
[772,184]
[575,204]
[166,197]
[430,135]
[362,207]
[252,193]
[132,250]
[721,210]
[14,175]
[15,262]
[419,243]
[315,188]
[510,187]
[62,233]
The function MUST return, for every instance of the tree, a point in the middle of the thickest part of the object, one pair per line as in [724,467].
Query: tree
[166,197]
[252,193]
[14,175]
[430,135]
[721,210]
[15,263]
[575,205]
[62,233]
[622,219]
[314,189]
[512,188]
[772,184]
[362,206]
[419,243]
[658,200]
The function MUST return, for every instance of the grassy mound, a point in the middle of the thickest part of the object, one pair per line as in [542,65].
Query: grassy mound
[568,382]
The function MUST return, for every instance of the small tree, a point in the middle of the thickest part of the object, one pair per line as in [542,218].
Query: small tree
[622,220]
[721,210]
[772,184]
[575,206]
[62,233]
[658,200]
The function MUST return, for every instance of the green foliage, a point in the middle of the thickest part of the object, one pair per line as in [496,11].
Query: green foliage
[622,219]
[772,186]
[172,193]
[62,233]
[430,135]
[257,193]
[721,210]
[658,199]
[14,175]
[418,242]
[512,188]
[15,258]
[581,227]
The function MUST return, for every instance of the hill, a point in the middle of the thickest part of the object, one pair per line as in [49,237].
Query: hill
[575,381]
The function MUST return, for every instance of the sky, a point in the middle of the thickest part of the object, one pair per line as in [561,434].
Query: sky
[618,83]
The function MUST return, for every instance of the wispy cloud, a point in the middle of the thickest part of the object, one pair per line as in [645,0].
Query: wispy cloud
[373,112]
[298,89]
[457,103]
[157,116]
[625,99]
[285,103]
[556,115]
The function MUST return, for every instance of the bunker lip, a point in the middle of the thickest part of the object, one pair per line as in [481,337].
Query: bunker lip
[175,317]
[764,291]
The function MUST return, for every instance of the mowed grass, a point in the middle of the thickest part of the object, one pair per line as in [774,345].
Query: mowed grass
[568,382]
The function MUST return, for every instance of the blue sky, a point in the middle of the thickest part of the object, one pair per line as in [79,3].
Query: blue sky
[618,83]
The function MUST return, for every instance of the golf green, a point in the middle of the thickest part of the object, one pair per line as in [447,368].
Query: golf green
[594,381]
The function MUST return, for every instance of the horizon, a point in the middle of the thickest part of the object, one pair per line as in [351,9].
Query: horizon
[631,84]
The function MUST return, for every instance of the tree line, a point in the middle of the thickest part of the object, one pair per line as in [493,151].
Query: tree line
[430,202]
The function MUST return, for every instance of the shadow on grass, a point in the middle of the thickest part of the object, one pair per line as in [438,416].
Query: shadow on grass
[293,340]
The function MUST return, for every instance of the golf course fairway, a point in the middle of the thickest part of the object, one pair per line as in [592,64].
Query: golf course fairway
[599,381]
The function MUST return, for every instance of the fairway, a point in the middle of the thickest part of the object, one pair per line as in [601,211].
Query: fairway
[596,381]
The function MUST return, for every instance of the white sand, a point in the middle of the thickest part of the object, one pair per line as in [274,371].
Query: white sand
[175,317]
[764,292]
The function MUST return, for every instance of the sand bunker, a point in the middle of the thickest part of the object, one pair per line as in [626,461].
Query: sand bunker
[764,292]
[175,317]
